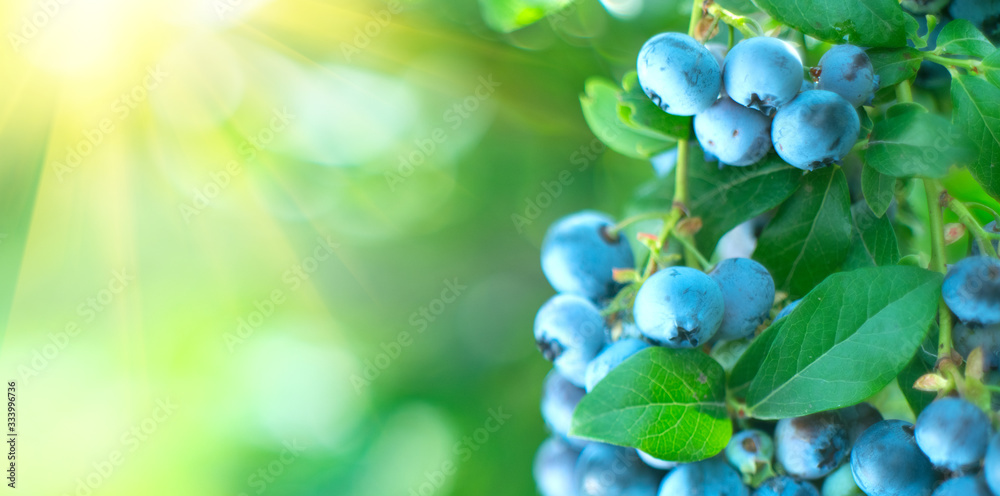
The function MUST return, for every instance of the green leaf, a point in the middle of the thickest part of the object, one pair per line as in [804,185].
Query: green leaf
[669,403]
[722,198]
[600,109]
[637,111]
[873,241]
[991,67]
[921,363]
[848,339]
[977,114]
[810,235]
[893,66]
[870,23]
[510,15]
[913,142]
[748,365]
[960,37]
[879,189]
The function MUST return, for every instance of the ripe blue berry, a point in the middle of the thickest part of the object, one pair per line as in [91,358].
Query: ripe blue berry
[991,464]
[679,307]
[559,400]
[762,73]
[605,470]
[858,419]
[953,433]
[569,331]
[847,71]
[972,290]
[735,134]
[969,485]
[812,446]
[679,74]
[968,338]
[748,293]
[579,254]
[841,483]
[886,461]
[814,130]
[712,477]
[788,309]
[553,467]
[783,485]
[611,357]
[750,451]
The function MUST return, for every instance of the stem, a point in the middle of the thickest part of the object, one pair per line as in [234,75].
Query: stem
[934,215]
[696,14]
[614,231]
[732,36]
[965,216]
[903,92]
[692,250]
[749,27]
[996,217]
[971,65]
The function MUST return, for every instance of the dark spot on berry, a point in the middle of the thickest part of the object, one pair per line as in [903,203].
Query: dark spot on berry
[815,72]
[749,445]
[736,132]
[551,349]
[606,235]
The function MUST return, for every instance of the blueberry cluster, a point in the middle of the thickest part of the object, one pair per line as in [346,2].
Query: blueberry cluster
[951,449]
[756,97]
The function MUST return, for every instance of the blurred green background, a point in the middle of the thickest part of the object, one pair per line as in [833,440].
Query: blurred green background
[273,247]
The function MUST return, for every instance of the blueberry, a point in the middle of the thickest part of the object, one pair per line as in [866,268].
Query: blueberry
[953,433]
[783,485]
[969,485]
[559,400]
[814,130]
[841,483]
[812,446]
[858,419]
[991,464]
[712,477]
[655,462]
[968,338]
[579,255]
[886,461]
[762,73]
[679,307]
[554,464]
[788,309]
[679,74]
[748,293]
[605,470]
[611,357]
[569,331]
[750,451]
[972,290]
[735,134]
[847,71]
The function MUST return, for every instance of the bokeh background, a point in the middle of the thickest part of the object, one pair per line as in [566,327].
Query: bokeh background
[290,247]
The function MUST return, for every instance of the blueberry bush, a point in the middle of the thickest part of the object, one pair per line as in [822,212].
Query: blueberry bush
[820,238]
